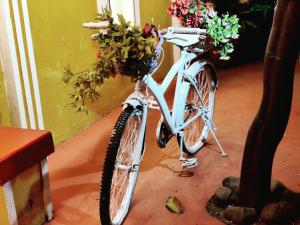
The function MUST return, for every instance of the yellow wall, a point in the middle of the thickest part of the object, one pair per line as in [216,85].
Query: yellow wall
[3,210]
[156,9]
[27,190]
[4,110]
[59,40]
[28,186]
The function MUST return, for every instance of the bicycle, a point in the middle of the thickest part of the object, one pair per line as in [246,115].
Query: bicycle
[190,120]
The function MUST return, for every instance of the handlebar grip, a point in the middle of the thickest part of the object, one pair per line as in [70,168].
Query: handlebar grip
[189,30]
[97,25]
[184,30]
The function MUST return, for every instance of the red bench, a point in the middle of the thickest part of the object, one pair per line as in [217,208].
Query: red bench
[24,180]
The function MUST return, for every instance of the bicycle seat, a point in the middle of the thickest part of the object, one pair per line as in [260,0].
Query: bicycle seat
[183,36]
[183,40]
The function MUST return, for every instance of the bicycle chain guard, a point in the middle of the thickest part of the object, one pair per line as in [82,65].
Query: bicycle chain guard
[163,135]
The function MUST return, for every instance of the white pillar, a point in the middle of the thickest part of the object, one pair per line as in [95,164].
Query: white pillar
[10,68]
[46,189]
[10,204]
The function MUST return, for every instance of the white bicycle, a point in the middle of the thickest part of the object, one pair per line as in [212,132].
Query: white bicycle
[190,120]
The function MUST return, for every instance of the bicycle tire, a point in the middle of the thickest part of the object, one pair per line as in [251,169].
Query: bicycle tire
[109,214]
[206,83]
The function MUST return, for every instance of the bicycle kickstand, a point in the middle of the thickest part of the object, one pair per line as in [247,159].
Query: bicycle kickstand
[222,152]
[211,128]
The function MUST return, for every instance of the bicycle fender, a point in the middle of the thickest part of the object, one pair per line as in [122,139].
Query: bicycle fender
[197,66]
[134,102]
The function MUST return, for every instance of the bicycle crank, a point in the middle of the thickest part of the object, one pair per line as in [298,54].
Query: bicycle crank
[163,134]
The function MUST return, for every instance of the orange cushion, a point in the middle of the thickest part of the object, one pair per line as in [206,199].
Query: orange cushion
[20,149]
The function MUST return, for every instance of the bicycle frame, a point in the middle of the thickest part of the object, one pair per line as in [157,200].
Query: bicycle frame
[185,71]
[178,69]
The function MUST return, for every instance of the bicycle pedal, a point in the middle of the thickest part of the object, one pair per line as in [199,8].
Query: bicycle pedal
[190,163]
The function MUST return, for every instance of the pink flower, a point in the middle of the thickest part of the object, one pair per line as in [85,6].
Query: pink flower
[186,3]
[198,13]
[173,8]
[195,18]
[210,6]
[185,11]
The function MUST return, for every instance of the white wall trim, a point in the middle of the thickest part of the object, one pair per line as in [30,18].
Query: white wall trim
[134,5]
[32,63]
[101,4]
[10,204]
[137,12]
[24,68]
[176,50]
[11,68]
[46,189]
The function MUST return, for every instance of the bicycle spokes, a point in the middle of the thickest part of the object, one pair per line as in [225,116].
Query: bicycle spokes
[123,166]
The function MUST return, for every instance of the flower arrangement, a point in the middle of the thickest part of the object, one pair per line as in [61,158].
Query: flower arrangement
[123,49]
[221,29]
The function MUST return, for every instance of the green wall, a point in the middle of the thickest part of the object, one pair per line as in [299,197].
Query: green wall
[59,40]
[4,110]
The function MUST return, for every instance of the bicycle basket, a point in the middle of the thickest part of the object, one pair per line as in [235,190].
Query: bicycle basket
[135,68]
[205,44]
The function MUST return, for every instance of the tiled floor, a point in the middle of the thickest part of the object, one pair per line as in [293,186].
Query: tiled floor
[75,166]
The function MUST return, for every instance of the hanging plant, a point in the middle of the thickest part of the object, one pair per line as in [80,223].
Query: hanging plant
[123,49]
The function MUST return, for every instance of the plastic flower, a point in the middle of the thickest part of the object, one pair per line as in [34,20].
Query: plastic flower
[185,11]
[186,3]
[201,14]
[192,13]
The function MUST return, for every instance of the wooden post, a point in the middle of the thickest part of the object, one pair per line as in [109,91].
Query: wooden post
[271,120]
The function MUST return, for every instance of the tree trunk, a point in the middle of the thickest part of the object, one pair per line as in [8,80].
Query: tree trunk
[271,120]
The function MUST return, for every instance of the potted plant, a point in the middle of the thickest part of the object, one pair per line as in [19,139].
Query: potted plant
[124,49]
[221,30]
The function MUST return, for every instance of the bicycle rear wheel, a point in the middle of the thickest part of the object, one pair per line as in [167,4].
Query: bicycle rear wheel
[120,169]
[195,134]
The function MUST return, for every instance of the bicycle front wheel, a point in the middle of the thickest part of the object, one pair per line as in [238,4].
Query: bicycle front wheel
[195,134]
[120,169]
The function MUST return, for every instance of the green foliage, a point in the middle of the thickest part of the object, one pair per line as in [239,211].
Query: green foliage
[222,30]
[122,49]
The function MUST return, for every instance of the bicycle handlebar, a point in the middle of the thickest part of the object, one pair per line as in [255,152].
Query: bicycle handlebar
[183,30]
[161,33]
[95,25]
[176,30]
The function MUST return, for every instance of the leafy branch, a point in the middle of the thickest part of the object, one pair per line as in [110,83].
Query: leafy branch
[123,49]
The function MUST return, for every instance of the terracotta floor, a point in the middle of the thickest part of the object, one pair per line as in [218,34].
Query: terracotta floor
[75,166]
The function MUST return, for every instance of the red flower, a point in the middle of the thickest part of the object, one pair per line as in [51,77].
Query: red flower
[185,11]
[98,54]
[147,30]
[186,3]
[195,17]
